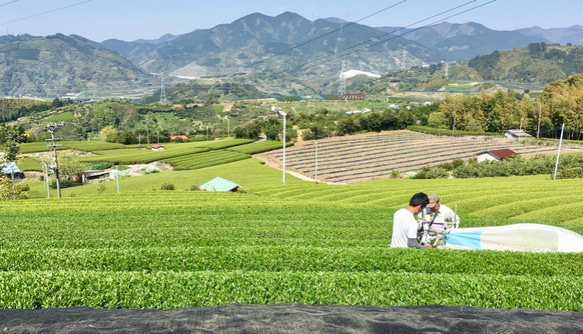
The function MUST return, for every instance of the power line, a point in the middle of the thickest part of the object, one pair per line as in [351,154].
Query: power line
[342,84]
[336,56]
[8,3]
[324,35]
[435,22]
[43,13]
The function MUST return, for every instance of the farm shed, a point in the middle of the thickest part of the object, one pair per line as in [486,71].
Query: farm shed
[220,184]
[9,169]
[156,147]
[516,133]
[94,175]
[496,155]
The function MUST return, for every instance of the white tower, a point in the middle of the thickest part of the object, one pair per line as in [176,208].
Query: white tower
[342,84]
[162,90]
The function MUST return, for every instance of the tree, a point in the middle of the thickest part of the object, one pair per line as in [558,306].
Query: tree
[437,120]
[404,119]
[10,138]
[109,134]
[347,126]
[371,122]
[56,103]
[104,115]
[127,138]
[9,191]
[69,166]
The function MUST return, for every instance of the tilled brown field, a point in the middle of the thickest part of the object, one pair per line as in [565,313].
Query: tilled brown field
[363,157]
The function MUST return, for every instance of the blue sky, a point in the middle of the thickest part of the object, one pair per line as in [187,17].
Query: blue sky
[149,19]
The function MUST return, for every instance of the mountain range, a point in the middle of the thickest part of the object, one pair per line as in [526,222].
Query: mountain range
[312,51]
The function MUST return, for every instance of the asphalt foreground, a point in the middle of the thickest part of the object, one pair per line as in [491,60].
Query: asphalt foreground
[291,318]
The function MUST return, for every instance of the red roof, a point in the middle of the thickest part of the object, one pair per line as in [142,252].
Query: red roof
[183,137]
[502,153]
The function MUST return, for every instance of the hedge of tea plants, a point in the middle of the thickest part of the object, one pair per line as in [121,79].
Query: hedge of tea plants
[188,248]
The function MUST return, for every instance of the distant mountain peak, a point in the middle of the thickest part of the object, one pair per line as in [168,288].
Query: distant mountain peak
[335,20]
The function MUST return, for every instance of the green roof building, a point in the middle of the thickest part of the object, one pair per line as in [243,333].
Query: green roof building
[220,184]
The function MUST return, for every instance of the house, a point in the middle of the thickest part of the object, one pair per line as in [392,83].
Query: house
[182,137]
[516,133]
[220,184]
[156,147]
[496,155]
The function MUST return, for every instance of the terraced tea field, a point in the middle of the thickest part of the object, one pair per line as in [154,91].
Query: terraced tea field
[296,243]
[358,158]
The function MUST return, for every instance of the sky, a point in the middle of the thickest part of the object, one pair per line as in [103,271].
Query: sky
[130,20]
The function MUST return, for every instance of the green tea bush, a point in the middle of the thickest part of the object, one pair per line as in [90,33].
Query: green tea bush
[167,186]
[571,173]
[438,173]
[99,165]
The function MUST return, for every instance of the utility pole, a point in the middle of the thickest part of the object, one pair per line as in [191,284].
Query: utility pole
[284,114]
[342,84]
[51,128]
[559,151]
[520,129]
[147,132]
[315,161]
[540,108]
[162,90]
[45,168]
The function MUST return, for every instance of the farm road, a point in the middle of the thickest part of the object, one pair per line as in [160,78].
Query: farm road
[291,318]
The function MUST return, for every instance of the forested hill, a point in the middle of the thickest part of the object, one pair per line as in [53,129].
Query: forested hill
[535,65]
[55,65]
[539,62]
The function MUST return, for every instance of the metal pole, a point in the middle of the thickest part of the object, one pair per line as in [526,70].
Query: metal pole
[540,107]
[520,129]
[228,128]
[117,177]
[56,165]
[47,179]
[45,173]
[13,186]
[316,162]
[453,126]
[148,131]
[559,152]
[284,138]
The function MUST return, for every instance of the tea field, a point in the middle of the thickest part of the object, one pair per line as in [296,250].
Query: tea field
[298,242]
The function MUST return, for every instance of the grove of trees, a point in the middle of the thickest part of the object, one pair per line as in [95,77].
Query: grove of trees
[561,102]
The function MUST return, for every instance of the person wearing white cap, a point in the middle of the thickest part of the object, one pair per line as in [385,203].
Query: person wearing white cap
[436,212]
